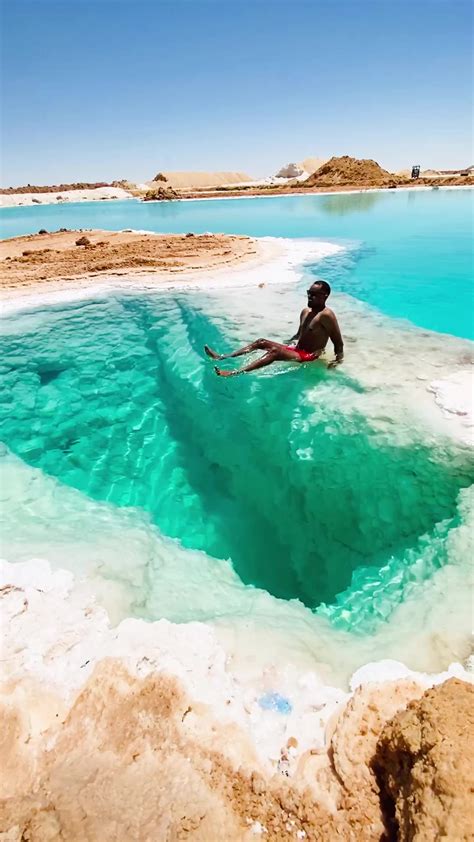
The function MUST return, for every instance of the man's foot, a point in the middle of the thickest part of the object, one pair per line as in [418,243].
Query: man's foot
[212,354]
[222,373]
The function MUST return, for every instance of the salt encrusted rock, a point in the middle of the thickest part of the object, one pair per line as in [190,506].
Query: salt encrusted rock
[425,762]
[355,739]
[104,729]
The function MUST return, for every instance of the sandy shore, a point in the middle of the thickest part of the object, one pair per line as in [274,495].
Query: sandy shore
[230,190]
[300,189]
[52,260]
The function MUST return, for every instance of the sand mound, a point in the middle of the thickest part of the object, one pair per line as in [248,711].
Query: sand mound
[193,180]
[347,170]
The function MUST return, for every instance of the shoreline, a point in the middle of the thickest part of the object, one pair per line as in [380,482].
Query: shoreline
[267,260]
[252,193]
[317,192]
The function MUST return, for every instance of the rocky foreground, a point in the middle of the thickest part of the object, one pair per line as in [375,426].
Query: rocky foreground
[152,743]
[137,759]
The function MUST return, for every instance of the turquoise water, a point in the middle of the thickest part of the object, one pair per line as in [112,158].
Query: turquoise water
[409,253]
[326,487]
[310,501]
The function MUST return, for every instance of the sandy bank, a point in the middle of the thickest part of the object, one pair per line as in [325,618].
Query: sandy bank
[231,190]
[39,260]
[144,261]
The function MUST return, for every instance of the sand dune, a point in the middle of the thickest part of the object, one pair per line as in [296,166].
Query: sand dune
[184,180]
[310,165]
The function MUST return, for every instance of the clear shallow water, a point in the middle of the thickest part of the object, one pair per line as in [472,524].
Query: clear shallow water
[330,488]
[309,496]
[410,252]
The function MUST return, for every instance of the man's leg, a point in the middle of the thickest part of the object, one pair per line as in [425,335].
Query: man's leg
[258,345]
[276,354]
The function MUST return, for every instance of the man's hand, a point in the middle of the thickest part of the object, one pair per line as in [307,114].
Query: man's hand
[337,361]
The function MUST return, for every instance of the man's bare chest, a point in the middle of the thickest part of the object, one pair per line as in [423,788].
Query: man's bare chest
[313,325]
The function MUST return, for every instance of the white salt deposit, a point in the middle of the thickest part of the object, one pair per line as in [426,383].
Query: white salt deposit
[61,654]
[454,395]
[8,200]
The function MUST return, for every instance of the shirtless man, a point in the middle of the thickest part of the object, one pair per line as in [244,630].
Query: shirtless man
[317,324]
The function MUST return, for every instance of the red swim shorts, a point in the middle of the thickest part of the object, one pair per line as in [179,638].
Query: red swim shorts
[305,356]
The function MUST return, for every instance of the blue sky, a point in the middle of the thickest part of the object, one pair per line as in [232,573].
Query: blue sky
[125,88]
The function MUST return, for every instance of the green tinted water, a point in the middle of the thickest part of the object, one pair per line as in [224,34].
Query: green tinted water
[116,399]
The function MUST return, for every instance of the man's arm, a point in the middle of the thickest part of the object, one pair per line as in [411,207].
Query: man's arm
[303,315]
[335,336]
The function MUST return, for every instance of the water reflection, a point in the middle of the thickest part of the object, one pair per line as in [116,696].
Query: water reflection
[344,203]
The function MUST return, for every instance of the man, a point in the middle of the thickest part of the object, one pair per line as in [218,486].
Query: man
[317,324]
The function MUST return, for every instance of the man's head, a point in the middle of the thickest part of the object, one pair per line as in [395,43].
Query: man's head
[317,294]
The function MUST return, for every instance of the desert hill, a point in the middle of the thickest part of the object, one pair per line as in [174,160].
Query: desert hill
[354,171]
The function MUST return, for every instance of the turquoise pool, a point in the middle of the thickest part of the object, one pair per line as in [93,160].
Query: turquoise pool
[409,252]
[332,506]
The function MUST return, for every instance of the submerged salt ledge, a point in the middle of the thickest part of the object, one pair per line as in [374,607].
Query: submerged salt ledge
[283,261]
[455,396]
[120,557]
[62,656]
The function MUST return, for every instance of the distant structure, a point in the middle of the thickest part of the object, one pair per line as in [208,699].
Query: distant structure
[415,171]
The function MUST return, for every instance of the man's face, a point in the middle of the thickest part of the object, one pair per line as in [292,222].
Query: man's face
[316,296]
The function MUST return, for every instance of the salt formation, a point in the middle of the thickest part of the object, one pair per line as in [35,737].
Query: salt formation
[291,171]
[146,727]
